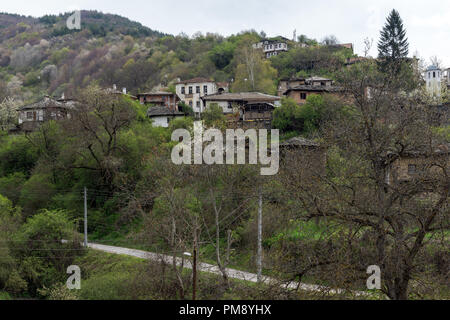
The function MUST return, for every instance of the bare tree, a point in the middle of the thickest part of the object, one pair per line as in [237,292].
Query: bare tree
[389,221]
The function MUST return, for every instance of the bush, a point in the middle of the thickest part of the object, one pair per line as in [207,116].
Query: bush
[286,118]
[15,284]
[37,245]
[36,193]
[16,155]
[181,123]
[214,117]
[11,186]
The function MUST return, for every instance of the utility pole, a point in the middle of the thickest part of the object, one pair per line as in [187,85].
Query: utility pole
[85,218]
[259,254]
[194,267]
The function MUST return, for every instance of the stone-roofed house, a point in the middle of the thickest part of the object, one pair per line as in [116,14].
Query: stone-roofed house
[419,163]
[162,116]
[160,98]
[251,106]
[304,153]
[313,85]
[31,116]
[287,83]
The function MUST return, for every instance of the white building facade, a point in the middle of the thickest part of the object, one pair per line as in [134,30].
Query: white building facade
[433,79]
[191,92]
[272,47]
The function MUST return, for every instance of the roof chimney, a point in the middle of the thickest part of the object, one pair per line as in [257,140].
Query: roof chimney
[62,96]
[114,87]
[124,90]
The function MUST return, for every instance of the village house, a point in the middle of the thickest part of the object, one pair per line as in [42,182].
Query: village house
[272,47]
[250,106]
[33,115]
[191,92]
[306,153]
[120,93]
[419,165]
[161,115]
[313,85]
[161,98]
[287,83]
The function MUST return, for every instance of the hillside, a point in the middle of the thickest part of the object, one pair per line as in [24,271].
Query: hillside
[41,56]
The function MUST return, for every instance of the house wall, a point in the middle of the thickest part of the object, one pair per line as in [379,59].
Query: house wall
[296,95]
[163,121]
[400,168]
[160,121]
[225,105]
[433,80]
[194,99]
[167,101]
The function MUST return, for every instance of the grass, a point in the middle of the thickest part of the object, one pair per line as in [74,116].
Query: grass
[108,276]
[4,296]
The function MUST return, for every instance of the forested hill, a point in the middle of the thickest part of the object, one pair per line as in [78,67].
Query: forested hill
[41,56]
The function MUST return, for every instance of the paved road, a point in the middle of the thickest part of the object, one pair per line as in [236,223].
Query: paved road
[205,267]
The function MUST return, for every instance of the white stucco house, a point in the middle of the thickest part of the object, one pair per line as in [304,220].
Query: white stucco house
[191,92]
[272,47]
[161,116]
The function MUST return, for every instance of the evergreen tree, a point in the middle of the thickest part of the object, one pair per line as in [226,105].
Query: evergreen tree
[393,44]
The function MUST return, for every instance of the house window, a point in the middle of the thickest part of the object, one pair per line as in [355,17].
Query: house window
[190,90]
[183,90]
[198,104]
[197,89]
[205,89]
[190,104]
[29,115]
[412,169]
[434,74]
[303,96]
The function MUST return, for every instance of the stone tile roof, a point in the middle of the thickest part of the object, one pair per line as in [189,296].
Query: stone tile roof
[195,80]
[308,87]
[49,102]
[299,142]
[162,111]
[241,96]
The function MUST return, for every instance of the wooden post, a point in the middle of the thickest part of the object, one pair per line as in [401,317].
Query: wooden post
[194,267]
[85,218]
[259,254]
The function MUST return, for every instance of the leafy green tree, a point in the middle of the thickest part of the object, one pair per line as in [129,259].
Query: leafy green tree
[187,109]
[42,256]
[11,186]
[311,112]
[17,154]
[214,117]
[287,117]
[253,72]
[36,193]
[181,123]
[9,223]
[222,54]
